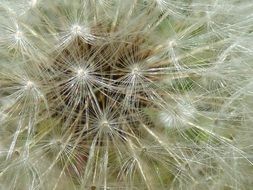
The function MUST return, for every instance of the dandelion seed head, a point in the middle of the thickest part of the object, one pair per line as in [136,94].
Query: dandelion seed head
[100,93]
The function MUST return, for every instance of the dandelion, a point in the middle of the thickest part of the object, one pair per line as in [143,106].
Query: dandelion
[132,94]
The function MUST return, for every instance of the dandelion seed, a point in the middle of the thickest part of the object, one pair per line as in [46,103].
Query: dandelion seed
[29,84]
[177,116]
[82,73]
[172,43]
[76,30]
[135,70]
[18,35]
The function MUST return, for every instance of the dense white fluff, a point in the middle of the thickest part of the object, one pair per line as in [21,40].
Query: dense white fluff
[116,94]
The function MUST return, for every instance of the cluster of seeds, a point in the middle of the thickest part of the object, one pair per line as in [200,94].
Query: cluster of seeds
[138,94]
